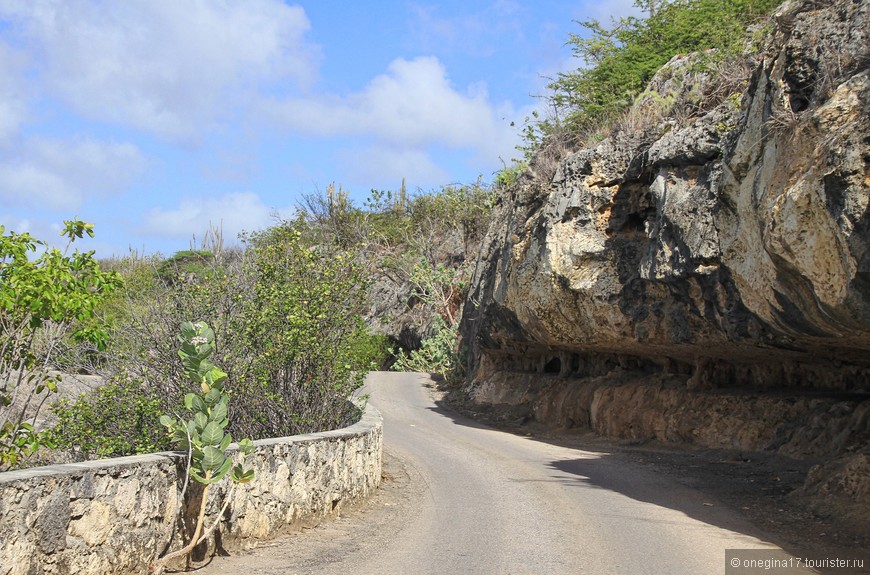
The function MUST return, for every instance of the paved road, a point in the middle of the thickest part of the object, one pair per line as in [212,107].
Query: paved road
[466,499]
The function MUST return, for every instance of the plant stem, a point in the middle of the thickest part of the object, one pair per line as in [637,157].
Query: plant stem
[160,564]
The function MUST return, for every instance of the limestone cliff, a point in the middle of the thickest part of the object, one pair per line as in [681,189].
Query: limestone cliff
[702,274]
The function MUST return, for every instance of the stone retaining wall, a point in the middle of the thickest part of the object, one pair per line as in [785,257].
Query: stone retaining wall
[115,516]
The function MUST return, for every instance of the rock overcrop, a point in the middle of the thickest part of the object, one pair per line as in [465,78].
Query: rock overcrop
[700,277]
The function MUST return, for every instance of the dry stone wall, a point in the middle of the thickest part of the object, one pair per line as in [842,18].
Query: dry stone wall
[115,516]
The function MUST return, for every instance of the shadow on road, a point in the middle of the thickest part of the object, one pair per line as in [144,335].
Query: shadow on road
[745,493]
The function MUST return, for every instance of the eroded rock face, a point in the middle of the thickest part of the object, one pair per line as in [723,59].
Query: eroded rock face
[728,252]
[396,312]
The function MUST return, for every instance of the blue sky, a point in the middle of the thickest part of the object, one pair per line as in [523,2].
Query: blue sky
[155,118]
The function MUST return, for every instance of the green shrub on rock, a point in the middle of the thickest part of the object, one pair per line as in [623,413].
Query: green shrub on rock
[618,61]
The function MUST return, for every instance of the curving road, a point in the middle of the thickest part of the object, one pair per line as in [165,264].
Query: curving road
[467,499]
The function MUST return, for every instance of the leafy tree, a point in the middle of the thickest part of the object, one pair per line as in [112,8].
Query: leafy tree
[302,315]
[43,291]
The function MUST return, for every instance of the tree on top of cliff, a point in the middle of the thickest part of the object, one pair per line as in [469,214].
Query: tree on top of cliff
[619,61]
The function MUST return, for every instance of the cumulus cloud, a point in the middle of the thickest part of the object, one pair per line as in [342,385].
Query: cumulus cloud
[413,104]
[170,68]
[233,213]
[57,174]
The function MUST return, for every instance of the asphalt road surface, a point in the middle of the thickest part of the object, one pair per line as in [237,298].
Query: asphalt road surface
[461,498]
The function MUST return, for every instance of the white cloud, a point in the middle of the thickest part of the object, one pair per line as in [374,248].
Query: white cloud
[170,68]
[43,230]
[15,224]
[412,104]
[58,174]
[385,166]
[13,110]
[233,213]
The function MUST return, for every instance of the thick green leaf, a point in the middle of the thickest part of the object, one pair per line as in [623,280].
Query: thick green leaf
[213,433]
[216,376]
[200,419]
[212,457]
[194,402]
[219,411]
[219,474]
[188,330]
[246,446]
[225,443]
[241,475]
[212,397]
[204,367]
[167,421]
[206,331]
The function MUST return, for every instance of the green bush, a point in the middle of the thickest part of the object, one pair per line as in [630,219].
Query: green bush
[119,418]
[374,351]
[185,266]
[285,312]
[619,61]
[438,354]
[46,297]
[299,330]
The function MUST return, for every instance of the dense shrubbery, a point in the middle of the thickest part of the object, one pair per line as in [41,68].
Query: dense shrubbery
[415,224]
[285,314]
[119,418]
[422,240]
[619,61]
[302,328]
